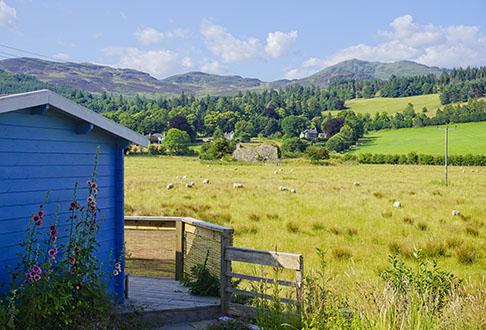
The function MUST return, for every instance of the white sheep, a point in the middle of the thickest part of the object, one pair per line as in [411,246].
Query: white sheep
[356,183]
[397,204]
[169,186]
[456,213]
[205,181]
[190,185]
[280,169]
[275,172]
[237,185]
[184,177]
[282,188]
[293,191]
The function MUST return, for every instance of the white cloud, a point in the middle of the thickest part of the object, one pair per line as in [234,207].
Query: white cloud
[279,43]
[8,15]
[297,73]
[211,67]
[160,63]
[229,48]
[61,56]
[434,45]
[150,36]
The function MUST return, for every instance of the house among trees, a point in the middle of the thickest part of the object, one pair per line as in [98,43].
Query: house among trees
[155,138]
[49,143]
[229,135]
[309,134]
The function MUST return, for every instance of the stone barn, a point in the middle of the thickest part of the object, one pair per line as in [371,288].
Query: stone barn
[263,153]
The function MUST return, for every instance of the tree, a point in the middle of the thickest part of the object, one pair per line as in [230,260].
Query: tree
[292,126]
[244,130]
[180,122]
[332,126]
[177,142]
[292,147]
[316,153]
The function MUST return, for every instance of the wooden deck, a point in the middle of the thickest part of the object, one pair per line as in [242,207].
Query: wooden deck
[162,301]
[160,294]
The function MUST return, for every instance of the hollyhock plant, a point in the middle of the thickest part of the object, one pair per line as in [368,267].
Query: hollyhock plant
[60,283]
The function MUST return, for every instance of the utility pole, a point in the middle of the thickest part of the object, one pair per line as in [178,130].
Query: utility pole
[446,153]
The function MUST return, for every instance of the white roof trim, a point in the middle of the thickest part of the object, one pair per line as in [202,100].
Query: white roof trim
[32,99]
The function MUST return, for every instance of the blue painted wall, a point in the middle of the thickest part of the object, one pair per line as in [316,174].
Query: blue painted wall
[43,152]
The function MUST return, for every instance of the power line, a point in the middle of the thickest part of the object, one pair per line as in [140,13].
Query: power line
[27,52]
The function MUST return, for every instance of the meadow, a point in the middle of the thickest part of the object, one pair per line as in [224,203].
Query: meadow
[395,104]
[346,210]
[466,138]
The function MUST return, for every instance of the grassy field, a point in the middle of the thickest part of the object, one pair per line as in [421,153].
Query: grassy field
[392,104]
[356,224]
[467,138]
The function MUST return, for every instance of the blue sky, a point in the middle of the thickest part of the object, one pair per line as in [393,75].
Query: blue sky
[265,39]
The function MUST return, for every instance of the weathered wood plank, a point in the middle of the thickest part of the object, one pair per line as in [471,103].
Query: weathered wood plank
[266,258]
[260,279]
[259,295]
[225,281]
[179,250]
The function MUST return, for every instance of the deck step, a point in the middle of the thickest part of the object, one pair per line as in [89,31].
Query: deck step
[155,319]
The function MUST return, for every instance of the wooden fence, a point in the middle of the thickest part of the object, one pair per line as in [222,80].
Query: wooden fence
[196,240]
[279,260]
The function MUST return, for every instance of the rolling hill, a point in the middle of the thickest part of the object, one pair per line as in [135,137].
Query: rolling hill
[363,70]
[466,138]
[97,78]
[394,104]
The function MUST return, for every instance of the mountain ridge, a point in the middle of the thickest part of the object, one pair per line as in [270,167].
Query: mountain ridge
[98,78]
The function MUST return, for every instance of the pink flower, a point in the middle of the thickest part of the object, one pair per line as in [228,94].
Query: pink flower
[72,260]
[36,270]
[35,218]
[89,183]
[36,277]
[40,213]
[29,276]
[52,252]
[91,199]
[39,223]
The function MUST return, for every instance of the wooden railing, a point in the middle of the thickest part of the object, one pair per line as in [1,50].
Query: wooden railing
[279,260]
[194,236]
[220,236]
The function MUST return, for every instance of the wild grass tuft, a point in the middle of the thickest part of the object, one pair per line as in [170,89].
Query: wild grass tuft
[342,253]
[466,254]
[422,226]
[292,227]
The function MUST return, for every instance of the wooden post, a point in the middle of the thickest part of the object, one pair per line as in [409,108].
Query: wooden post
[299,278]
[225,280]
[179,271]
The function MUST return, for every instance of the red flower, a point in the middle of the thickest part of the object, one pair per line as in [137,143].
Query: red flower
[73,206]
[35,218]
[39,222]
[40,213]
[36,270]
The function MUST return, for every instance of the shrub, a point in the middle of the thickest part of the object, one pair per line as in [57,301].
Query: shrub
[156,149]
[316,153]
[218,148]
[201,282]
[293,147]
[177,142]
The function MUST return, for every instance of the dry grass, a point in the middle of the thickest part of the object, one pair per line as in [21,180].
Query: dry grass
[327,211]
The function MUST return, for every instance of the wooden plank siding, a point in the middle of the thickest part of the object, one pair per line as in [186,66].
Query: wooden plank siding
[43,152]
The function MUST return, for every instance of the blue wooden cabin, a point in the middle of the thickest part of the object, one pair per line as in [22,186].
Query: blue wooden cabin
[49,143]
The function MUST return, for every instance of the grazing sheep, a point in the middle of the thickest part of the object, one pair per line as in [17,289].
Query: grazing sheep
[280,169]
[190,185]
[356,183]
[456,213]
[293,191]
[397,204]
[275,172]
[281,188]
[237,185]
[184,177]
[206,181]
[169,186]
[178,177]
